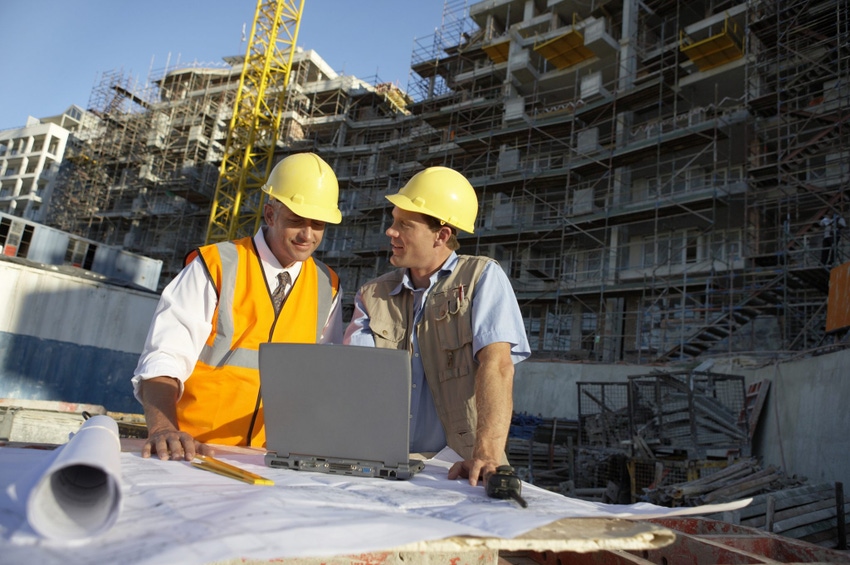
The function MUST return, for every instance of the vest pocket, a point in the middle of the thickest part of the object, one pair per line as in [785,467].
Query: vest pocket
[388,334]
[453,324]
[452,319]
[461,436]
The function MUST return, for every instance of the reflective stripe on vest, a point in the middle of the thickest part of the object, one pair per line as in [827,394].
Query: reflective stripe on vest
[219,353]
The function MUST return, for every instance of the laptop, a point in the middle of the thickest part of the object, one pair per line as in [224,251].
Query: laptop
[338,409]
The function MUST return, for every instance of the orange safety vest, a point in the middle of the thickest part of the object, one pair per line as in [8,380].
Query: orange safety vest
[221,400]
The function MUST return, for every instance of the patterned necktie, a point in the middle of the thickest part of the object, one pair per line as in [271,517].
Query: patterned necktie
[279,293]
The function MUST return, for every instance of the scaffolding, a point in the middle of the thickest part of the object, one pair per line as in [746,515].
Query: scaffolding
[146,178]
[651,174]
[143,179]
[371,141]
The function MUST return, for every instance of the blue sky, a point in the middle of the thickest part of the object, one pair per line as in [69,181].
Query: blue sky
[55,51]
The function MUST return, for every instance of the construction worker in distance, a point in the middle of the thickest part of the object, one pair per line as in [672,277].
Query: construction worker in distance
[458,317]
[198,375]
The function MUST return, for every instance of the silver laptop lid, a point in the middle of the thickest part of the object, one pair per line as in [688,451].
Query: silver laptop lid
[336,401]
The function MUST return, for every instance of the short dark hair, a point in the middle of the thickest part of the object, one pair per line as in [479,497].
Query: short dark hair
[434,225]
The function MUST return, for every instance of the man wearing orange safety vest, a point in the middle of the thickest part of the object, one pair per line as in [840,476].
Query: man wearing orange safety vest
[198,375]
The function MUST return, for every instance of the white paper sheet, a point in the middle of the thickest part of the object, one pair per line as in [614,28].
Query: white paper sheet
[174,513]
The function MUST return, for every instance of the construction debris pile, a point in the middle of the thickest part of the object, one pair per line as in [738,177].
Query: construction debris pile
[675,439]
[734,482]
[541,449]
[667,414]
[815,513]
[655,429]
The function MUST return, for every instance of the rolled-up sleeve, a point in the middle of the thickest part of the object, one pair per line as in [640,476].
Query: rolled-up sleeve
[358,331]
[496,316]
[181,324]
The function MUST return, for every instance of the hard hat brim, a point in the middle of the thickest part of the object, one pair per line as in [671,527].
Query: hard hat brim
[406,204]
[308,211]
[314,212]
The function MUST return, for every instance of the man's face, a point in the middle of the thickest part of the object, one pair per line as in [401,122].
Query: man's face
[289,236]
[414,244]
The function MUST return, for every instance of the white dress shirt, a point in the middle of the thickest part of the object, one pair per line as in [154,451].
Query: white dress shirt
[183,319]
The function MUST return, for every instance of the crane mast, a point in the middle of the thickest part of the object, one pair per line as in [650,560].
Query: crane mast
[251,139]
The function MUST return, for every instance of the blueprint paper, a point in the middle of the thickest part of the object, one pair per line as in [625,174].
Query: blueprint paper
[77,493]
[173,512]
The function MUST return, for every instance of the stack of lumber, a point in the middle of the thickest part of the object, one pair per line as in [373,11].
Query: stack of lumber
[739,480]
[810,513]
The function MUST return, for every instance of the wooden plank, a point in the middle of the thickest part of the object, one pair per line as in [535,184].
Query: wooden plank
[726,476]
[788,498]
[755,404]
[809,524]
[802,524]
[756,481]
[798,514]
[825,538]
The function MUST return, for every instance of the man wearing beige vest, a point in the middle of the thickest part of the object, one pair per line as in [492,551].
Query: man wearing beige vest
[458,317]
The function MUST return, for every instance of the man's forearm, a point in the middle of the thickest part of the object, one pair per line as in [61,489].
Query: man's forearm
[493,400]
[159,399]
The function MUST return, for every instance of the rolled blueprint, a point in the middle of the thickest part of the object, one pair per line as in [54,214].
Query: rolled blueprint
[78,495]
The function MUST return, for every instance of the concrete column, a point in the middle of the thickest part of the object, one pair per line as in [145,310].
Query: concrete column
[628,37]
[575,329]
[612,339]
[529,10]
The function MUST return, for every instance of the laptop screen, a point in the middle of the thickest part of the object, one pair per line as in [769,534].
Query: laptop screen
[336,402]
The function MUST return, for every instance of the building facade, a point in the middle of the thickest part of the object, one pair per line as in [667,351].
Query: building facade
[651,174]
[30,157]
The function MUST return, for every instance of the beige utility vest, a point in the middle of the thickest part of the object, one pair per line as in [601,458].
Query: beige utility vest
[445,340]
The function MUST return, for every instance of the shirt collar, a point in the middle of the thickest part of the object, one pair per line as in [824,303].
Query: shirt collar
[271,266]
[443,271]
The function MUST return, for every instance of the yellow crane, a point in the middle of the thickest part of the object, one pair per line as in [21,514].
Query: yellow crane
[249,149]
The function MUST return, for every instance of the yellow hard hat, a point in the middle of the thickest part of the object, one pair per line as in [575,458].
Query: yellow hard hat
[307,185]
[442,193]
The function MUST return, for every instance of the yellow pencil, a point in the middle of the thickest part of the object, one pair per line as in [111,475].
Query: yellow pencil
[226,470]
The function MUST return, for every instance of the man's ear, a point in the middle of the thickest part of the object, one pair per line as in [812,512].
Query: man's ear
[268,213]
[443,235]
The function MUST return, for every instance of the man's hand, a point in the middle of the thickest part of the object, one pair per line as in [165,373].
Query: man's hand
[473,469]
[174,444]
[159,398]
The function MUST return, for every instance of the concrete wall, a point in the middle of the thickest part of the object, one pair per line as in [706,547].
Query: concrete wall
[549,389]
[804,428]
[70,339]
[805,424]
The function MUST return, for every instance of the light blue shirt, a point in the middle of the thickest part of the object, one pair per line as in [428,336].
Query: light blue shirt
[496,317]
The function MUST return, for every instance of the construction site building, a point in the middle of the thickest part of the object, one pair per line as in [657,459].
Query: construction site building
[30,157]
[146,179]
[651,174]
